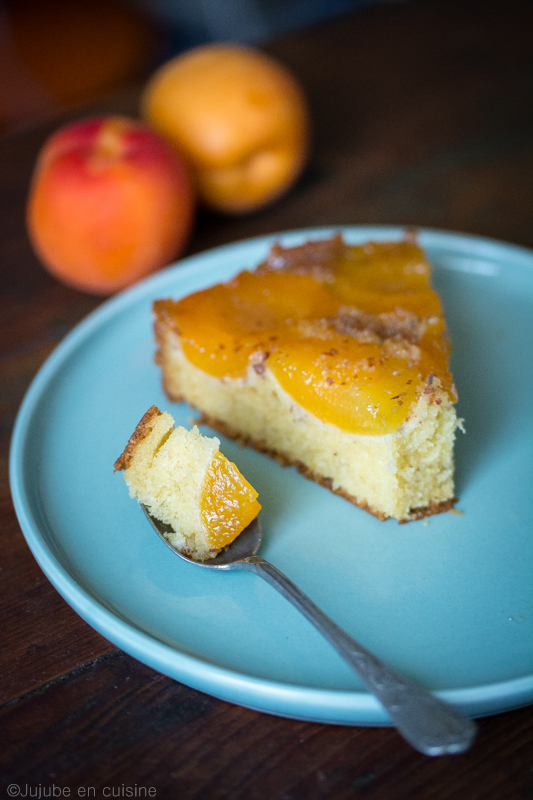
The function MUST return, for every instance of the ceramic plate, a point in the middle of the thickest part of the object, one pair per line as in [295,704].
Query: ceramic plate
[447,601]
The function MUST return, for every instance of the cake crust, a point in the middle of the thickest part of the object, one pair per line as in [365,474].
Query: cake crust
[143,428]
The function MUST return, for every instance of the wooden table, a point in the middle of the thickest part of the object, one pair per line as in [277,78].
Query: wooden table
[422,115]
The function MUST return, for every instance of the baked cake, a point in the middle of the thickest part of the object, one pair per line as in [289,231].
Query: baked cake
[182,479]
[329,356]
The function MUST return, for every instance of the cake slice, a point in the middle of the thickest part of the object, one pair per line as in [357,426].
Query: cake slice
[331,357]
[182,479]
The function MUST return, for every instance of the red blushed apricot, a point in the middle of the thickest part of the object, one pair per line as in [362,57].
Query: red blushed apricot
[110,202]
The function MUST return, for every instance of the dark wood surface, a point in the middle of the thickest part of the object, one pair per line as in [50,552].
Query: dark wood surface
[422,115]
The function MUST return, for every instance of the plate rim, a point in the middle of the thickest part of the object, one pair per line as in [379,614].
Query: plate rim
[306,703]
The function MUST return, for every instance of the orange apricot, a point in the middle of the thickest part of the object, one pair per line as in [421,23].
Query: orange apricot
[238,116]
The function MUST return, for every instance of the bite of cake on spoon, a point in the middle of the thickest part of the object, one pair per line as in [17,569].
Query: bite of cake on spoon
[183,480]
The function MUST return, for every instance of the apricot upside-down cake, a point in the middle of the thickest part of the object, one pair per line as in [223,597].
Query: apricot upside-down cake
[329,356]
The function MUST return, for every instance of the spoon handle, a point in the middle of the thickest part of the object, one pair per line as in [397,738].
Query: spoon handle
[430,725]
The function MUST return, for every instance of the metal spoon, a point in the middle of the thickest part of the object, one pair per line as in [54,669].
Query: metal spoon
[429,724]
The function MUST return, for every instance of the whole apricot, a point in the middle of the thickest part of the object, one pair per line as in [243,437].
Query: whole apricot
[239,118]
[110,202]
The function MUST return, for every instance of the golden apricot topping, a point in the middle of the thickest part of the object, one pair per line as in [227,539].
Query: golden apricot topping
[352,333]
[228,504]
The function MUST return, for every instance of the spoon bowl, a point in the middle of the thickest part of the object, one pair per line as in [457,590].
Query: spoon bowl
[430,725]
[244,546]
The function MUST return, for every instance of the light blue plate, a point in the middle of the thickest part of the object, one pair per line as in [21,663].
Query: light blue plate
[447,601]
